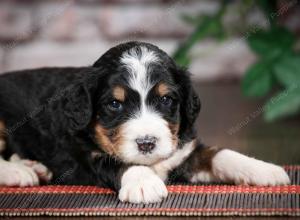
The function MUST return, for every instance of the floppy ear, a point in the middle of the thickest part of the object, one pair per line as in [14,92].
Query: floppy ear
[189,107]
[193,106]
[78,107]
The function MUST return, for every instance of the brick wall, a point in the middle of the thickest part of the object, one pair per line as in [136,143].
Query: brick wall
[75,33]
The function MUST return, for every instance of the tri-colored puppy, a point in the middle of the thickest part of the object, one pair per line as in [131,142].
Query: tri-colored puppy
[126,123]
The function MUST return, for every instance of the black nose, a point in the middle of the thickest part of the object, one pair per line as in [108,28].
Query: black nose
[146,144]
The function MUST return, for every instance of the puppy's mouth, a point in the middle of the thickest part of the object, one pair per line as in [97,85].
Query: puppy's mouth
[147,160]
[139,142]
[146,155]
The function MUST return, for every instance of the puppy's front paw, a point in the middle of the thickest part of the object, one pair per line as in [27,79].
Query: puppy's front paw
[14,174]
[43,173]
[231,166]
[140,184]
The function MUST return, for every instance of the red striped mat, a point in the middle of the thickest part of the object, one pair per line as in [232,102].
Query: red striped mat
[183,200]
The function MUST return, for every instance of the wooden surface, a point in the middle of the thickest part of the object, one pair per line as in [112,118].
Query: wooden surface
[223,107]
[150,218]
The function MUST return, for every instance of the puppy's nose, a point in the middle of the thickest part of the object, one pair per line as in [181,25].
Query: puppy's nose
[146,144]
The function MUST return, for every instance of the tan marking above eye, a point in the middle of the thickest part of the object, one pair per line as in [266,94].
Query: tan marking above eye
[119,93]
[162,89]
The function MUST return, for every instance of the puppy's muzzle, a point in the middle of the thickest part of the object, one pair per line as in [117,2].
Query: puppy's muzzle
[146,144]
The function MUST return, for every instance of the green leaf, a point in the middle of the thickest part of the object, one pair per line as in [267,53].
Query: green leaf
[192,20]
[202,30]
[284,104]
[207,26]
[184,60]
[272,43]
[269,8]
[258,80]
[287,70]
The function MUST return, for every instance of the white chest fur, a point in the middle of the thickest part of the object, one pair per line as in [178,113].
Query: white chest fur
[162,168]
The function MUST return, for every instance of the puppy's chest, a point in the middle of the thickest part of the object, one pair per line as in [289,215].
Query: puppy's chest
[163,168]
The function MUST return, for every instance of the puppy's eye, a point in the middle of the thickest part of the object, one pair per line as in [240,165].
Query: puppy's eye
[166,101]
[115,105]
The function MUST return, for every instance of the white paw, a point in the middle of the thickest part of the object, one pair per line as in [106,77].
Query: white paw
[41,170]
[139,184]
[17,174]
[231,166]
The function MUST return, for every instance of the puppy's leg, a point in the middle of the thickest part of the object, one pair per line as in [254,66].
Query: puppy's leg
[230,166]
[43,173]
[17,174]
[134,183]
[11,173]
[139,184]
[209,164]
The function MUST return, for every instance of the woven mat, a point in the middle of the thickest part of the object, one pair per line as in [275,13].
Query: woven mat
[183,200]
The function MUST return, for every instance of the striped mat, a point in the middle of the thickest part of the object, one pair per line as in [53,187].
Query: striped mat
[183,200]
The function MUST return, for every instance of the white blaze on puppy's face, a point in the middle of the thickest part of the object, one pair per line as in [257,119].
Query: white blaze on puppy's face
[145,122]
[137,61]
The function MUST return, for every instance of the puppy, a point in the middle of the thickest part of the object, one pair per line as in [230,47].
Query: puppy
[126,123]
